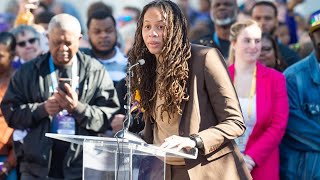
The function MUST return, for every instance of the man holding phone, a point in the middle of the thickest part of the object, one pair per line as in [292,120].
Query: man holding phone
[62,81]
[63,85]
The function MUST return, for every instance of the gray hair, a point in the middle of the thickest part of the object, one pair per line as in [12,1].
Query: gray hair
[21,29]
[65,22]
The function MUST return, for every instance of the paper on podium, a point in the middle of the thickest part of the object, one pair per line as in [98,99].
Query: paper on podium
[112,145]
[157,151]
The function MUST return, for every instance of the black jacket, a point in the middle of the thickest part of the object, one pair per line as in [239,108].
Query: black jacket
[208,40]
[23,108]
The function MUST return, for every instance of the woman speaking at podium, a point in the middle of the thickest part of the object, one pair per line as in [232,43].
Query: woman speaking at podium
[187,97]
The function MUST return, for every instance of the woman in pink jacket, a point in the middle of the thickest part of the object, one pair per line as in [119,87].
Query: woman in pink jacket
[263,99]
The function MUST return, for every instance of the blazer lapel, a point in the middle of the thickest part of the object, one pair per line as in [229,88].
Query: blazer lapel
[260,91]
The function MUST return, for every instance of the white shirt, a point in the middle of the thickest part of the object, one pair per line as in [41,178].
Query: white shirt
[250,123]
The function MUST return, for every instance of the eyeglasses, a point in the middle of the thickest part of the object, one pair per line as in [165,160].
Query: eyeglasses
[24,43]
[125,18]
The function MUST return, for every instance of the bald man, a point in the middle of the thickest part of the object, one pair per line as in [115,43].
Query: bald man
[64,92]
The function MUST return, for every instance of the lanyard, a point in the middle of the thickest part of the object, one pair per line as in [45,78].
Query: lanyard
[53,75]
[216,39]
[252,92]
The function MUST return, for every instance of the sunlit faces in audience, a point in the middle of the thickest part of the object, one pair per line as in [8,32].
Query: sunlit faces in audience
[128,15]
[268,53]
[266,17]
[153,30]
[28,46]
[315,37]
[6,56]
[102,34]
[63,45]
[283,33]
[223,12]
[248,43]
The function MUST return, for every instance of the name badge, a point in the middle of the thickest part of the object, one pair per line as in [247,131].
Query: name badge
[63,123]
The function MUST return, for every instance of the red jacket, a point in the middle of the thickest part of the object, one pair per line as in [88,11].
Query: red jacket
[272,115]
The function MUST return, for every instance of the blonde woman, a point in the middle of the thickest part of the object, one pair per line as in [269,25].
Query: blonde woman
[263,100]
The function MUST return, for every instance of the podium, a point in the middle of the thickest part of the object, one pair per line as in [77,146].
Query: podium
[121,159]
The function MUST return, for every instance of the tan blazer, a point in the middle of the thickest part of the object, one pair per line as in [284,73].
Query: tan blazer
[213,112]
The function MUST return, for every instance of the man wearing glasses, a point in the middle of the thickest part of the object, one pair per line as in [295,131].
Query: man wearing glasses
[28,45]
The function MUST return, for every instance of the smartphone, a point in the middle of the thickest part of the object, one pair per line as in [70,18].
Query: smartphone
[62,81]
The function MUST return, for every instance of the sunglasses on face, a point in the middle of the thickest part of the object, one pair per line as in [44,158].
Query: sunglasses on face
[24,43]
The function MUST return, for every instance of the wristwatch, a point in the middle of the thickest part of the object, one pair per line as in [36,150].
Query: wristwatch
[197,139]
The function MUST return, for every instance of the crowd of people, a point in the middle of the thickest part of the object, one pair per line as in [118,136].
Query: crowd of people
[240,83]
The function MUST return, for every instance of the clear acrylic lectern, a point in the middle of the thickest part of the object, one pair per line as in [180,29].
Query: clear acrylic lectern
[121,159]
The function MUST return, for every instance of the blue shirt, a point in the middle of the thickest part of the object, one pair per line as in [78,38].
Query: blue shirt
[116,66]
[303,86]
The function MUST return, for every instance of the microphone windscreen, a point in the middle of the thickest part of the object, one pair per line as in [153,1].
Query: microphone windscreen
[141,61]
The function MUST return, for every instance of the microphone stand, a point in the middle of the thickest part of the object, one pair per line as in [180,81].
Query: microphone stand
[124,132]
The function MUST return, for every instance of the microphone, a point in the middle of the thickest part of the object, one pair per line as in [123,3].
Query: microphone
[140,62]
[124,132]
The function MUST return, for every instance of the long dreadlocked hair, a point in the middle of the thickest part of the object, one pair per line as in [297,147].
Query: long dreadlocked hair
[176,53]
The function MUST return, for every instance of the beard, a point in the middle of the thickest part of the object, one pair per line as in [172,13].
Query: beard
[226,21]
[316,48]
[102,53]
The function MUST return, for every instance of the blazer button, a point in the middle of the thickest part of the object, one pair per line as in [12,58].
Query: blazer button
[212,148]
[181,133]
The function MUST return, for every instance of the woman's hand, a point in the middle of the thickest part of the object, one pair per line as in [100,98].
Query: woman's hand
[178,142]
[117,123]
[249,162]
